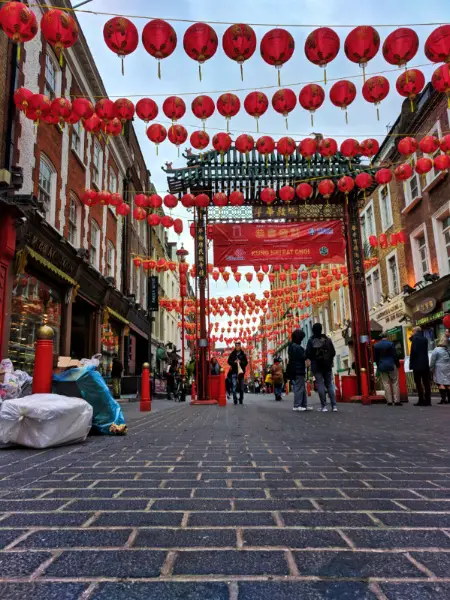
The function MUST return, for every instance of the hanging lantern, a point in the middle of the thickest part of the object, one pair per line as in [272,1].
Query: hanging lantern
[177,135]
[444,144]
[410,84]
[124,110]
[123,210]
[237,198]
[249,277]
[350,148]
[284,101]
[147,109]
[369,147]
[202,201]
[429,144]
[403,172]
[373,241]
[39,106]
[342,94]
[137,262]
[375,91]
[83,108]
[228,106]
[112,128]
[346,184]
[200,43]
[188,200]
[203,107]
[166,221]
[304,191]
[18,22]
[90,198]
[321,47]
[265,145]
[363,181]
[199,140]
[174,108]
[383,176]
[268,195]
[437,46]
[327,147]
[22,96]
[61,108]
[156,133]
[277,47]
[407,146]
[159,39]
[400,46]
[287,193]
[59,29]
[220,199]
[155,201]
[221,143]
[326,188]
[105,109]
[383,240]
[139,214]
[442,162]
[116,199]
[286,147]
[311,98]
[170,201]
[361,45]
[424,165]
[239,44]
[121,36]
[244,143]
[441,81]
[256,104]
[308,148]
[93,124]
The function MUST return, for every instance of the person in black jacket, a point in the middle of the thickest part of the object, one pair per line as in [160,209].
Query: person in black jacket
[238,363]
[116,376]
[320,351]
[297,371]
[420,366]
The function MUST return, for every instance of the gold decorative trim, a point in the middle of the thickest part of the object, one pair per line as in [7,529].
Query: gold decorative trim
[116,315]
[48,265]
[21,261]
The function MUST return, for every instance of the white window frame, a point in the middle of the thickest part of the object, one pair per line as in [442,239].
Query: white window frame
[97,170]
[342,304]
[52,92]
[113,183]
[94,257]
[392,291]
[375,292]
[419,233]
[363,215]
[110,259]
[441,252]
[78,139]
[48,196]
[409,199]
[74,221]
[385,204]
[436,130]
[335,313]
[369,292]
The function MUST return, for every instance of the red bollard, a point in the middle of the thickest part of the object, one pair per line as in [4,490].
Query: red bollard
[308,388]
[222,390]
[365,388]
[402,382]
[146,400]
[193,392]
[337,385]
[43,361]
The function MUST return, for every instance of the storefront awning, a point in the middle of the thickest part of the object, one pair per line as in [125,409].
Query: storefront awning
[116,316]
[138,331]
[48,265]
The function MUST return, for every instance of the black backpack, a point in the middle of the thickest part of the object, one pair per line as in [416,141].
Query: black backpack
[322,351]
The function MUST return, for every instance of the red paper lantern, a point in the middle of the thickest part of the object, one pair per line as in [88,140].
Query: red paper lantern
[59,29]
[441,81]
[244,143]
[311,98]
[410,84]
[363,181]
[277,47]
[239,43]
[403,172]
[154,220]
[124,109]
[121,36]
[220,199]
[199,140]
[429,144]
[326,188]
[369,147]
[159,39]
[265,145]
[446,321]
[83,108]
[321,47]
[442,162]
[89,198]
[137,262]
[112,128]
[373,241]
[166,221]
[346,184]
[104,197]
[228,106]
[383,240]
[375,91]
[200,43]
[256,104]
[170,201]
[304,191]
[140,214]
[174,108]
[40,106]
[202,201]
[445,144]
[203,107]
[19,22]
[115,199]
[147,109]
[61,108]
[268,195]
[342,94]
[308,148]
[93,124]
[123,210]
[287,193]
[383,176]
[221,143]
[141,200]
[105,109]
[350,148]
[284,101]
[407,146]
[22,96]
[400,46]
[237,198]
[437,46]
[156,133]
[188,200]
[424,165]
[177,135]
[327,147]
[155,201]
[286,147]
[361,45]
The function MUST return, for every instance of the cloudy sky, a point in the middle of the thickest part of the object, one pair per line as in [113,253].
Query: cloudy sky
[180,73]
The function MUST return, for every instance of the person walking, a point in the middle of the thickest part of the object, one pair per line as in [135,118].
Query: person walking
[387,363]
[320,353]
[440,366]
[214,366]
[277,378]
[116,376]
[419,365]
[238,363]
[297,370]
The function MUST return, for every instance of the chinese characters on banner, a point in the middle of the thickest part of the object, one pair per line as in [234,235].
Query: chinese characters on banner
[201,254]
[307,243]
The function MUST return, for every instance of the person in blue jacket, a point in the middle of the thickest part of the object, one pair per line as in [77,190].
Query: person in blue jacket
[387,363]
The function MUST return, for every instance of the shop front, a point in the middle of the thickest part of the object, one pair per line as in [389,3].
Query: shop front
[391,319]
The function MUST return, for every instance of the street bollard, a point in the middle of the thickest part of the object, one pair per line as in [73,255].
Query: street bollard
[146,401]
[308,388]
[193,391]
[222,390]
[337,385]
[365,388]
[402,384]
[43,361]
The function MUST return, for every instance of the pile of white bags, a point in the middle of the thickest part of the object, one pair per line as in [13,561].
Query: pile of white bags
[44,420]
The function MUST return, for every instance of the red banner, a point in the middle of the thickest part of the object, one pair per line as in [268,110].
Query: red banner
[308,243]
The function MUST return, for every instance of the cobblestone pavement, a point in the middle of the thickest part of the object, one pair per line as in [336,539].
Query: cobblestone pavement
[249,502]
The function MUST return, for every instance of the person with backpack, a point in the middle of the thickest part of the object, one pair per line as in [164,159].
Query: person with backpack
[387,362]
[320,353]
[296,371]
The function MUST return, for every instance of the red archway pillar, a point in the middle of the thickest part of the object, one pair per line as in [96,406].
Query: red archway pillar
[7,250]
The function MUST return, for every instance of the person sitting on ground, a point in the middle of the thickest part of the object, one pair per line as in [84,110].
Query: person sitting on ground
[277,378]
[419,365]
[320,354]
[297,371]
[387,363]
[238,363]
[440,366]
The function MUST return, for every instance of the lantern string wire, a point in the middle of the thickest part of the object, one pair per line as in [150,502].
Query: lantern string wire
[180,20]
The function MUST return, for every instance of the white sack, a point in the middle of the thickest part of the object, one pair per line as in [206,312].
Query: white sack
[44,420]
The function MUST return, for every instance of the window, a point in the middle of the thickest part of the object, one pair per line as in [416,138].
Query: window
[335,313]
[421,244]
[369,291]
[47,187]
[420,253]
[412,185]
[437,132]
[384,196]
[113,187]
[51,77]
[367,223]
[110,260]
[441,230]
[446,234]
[393,276]
[77,138]
[373,287]
[73,232]
[94,247]
[97,165]
[342,304]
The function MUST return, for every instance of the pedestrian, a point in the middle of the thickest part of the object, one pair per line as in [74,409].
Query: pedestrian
[214,366]
[419,365]
[320,354]
[171,372]
[257,386]
[440,366]
[296,371]
[387,363]
[116,376]
[277,378]
[238,363]
[229,384]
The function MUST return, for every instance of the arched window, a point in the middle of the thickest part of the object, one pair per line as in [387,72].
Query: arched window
[47,188]
[74,221]
[94,246]
[111,260]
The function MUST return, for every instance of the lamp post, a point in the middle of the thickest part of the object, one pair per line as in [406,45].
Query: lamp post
[182,268]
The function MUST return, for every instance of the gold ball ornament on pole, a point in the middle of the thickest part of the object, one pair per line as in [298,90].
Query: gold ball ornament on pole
[45,332]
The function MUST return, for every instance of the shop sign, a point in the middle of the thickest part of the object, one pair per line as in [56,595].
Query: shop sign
[431,318]
[153,300]
[50,252]
[390,313]
[426,306]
